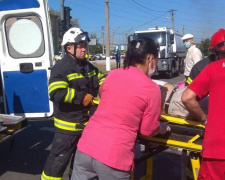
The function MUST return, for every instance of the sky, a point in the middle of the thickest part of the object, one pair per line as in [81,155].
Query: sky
[201,18]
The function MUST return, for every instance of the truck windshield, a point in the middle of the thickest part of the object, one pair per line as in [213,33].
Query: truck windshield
[158,37]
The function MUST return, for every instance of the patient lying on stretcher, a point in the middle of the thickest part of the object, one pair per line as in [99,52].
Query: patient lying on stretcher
[172,104]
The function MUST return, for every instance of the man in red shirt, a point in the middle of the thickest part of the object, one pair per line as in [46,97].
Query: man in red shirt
[211,81]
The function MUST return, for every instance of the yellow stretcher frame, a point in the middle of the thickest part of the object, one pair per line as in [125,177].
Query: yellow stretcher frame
[181,121]
[189,145]
[13,125]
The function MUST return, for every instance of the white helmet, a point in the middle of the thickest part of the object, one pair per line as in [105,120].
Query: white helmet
[187,36]
[74,35]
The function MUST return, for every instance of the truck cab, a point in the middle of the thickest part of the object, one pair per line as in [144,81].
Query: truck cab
[171,50]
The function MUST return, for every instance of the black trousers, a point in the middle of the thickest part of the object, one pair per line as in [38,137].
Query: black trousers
[63,148]
[118,63]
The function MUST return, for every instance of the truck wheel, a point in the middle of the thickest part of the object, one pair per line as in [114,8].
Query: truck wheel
[177,69]
[170,75]
[177,73]
[172,71]
[181,68]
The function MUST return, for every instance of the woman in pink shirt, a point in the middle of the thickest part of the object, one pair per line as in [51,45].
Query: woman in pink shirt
[130,104]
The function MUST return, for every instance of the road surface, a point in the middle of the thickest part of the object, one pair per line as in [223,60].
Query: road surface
[31,148]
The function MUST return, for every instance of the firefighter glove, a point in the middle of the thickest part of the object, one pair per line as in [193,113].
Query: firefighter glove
[87,99]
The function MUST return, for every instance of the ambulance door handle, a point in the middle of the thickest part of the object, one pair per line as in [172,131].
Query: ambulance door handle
[26,67]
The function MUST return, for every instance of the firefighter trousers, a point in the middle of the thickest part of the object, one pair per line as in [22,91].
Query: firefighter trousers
[63,148]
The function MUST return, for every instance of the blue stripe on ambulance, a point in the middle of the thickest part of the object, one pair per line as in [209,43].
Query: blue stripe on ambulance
[6,5]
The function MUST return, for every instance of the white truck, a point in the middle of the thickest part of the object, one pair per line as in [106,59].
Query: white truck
[26,58]
[171,50]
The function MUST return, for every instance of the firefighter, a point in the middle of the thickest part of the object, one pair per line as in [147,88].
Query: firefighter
[72,85]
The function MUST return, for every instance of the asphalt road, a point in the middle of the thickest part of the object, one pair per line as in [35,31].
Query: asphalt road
[31,147]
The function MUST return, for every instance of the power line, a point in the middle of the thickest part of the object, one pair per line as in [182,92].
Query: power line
[146,7]
[150,21]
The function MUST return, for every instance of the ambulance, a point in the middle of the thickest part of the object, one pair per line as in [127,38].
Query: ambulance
[26,59]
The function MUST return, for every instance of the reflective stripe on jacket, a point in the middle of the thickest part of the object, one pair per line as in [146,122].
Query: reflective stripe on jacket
[68,126]
[69,82]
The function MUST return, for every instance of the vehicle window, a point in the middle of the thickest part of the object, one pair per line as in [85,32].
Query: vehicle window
[24,37]
[158,37]
[168,37]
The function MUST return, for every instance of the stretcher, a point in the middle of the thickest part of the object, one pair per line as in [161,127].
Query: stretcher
[184,135]
[10,126]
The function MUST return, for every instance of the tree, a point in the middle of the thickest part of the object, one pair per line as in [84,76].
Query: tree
[204,47]
[55,28]
[54,12]
[75,22]
[95,49]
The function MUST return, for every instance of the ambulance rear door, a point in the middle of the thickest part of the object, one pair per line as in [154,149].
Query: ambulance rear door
[26,56]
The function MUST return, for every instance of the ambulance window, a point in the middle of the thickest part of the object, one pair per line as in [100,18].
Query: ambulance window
[24,37]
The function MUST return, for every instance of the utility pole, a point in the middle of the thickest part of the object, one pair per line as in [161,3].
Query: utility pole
[113,35]
[126,33]
[107,35]
[172,13]
[63,20]
[103,40]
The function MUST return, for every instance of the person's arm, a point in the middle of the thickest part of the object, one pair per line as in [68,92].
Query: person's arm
[60,91]
[151,116]
[151,124]
[189,99]
[101,77]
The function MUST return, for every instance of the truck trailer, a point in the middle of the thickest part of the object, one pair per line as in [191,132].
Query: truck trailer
[171,50]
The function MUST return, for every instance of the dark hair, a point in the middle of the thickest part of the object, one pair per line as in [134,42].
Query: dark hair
[138,50]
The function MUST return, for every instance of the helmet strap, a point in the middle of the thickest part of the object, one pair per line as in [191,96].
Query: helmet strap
[74,53]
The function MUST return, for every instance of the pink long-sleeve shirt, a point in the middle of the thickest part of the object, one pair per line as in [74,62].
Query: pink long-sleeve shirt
[130,103]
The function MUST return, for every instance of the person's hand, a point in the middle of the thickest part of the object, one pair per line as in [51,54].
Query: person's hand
[87,99]
[164,128]
[204,121]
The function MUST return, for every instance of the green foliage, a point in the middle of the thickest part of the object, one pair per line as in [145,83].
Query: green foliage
[204,47]
[75,22]
[54,12]
[58,37]
[97,49]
